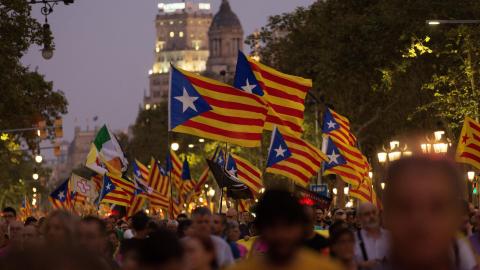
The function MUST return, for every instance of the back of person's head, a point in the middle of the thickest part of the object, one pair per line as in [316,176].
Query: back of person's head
[341,240]
[61,228]
[100,224]
[183,227]
[206,243]
[278,206]
[30,220]
[161,250]
[201,211]
[9,212]
[140,221]
[182,216]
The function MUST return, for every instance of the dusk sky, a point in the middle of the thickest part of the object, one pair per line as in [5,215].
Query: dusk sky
[104,50]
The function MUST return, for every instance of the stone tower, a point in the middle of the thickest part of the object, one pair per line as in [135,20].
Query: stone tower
[181,39]
[225,40]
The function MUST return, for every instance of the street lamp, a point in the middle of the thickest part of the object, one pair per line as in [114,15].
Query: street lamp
[438,144]
[191,145]
[35,176]
[211,193]
[38,158]
[334,191]
[382,185]
[395,152]
[345,190]
[175,146]
[201,140]
[471,175]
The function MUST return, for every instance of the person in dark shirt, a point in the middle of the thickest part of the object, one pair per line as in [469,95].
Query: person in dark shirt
[313,240]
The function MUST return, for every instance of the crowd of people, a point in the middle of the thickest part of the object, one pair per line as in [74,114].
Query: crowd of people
[424,223]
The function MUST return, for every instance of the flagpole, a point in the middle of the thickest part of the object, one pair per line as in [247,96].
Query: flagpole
[171,214]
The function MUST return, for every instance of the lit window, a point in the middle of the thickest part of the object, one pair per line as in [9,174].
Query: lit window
[180,34]
[171,22]
[147,106]
[157,49]
[172,34]
[180,22]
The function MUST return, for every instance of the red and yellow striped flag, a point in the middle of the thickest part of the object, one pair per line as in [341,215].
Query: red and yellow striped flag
[365,192]
[158,181]
[293,158]
[210,109]
[468,149]
[285,94]
[248,174]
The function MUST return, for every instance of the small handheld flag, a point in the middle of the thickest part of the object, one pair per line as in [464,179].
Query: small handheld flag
[468,149]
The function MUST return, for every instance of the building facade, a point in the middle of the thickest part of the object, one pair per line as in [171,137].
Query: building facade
[191,38]
[181,40]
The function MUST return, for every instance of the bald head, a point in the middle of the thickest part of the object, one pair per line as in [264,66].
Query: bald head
[368,215]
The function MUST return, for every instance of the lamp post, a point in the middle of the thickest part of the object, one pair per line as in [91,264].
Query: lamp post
[394,152]
[436,144]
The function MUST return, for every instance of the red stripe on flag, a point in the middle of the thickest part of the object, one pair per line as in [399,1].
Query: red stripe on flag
[470,156]
[249,179]
[287,110]
[233,119]
[276,120]
[279,80]
[281,94]
[237,135]
[300,175]
[234,105]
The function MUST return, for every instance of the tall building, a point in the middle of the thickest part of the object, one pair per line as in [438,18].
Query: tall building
[225,39]
[188,37]
[181,40]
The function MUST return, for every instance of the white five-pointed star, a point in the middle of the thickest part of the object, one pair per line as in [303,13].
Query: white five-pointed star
[187,101]
[220,160]
[108,186]
[248,87]
[61,195]
[333,157]
[280,151]
[331,124]
[232,171]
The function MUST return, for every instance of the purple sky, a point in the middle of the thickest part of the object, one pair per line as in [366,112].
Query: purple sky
[104,50]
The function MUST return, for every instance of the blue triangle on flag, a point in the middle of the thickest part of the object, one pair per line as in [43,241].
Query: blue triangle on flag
[278,149]
[231,166]
[220,158]
[185,101]
[107,187]
[245,78]
[61,192]
[186,171]
[329,122]
[335,158]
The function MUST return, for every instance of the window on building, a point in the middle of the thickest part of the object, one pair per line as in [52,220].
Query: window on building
[156,94]
[172,34]
[180,34]
[171,22]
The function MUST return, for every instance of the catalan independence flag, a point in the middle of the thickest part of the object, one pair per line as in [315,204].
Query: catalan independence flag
[246,172]
[293,158]
[60,197]
[468,149]
[144,171]
[338,127]
[202,180]
[174,169]
[158,179]
[285,94]
[112,191]
[365,193]
[210,109]
[337,164]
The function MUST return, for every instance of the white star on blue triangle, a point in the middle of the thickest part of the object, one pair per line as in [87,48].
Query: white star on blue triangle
[279,150]
[220,159]
[108,187]
[245,78]
[335,158]
[329,123]
[231,166]
[185,101]
[61,192]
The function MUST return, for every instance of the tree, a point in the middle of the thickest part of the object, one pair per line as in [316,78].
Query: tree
[368,59]
[26,97]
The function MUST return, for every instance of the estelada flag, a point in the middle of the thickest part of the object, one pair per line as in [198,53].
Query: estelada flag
[285,94]
[468,149]
[210,109]
[293,158]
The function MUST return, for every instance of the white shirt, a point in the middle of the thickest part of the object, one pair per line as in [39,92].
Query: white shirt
[223,252]
[466,258]
[376,248]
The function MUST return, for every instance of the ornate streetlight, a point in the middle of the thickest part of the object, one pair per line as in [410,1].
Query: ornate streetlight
[394,152]
[436,144]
